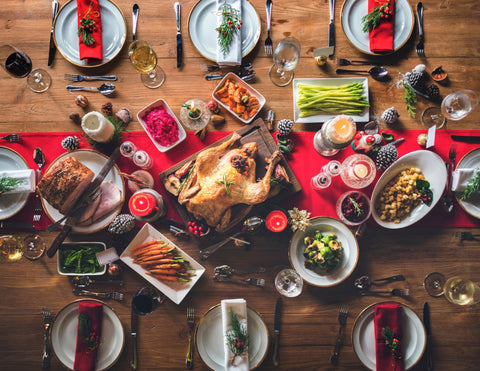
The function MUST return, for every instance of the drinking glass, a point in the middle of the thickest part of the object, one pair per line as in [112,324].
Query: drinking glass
[34,247]
[433,116]
[289,283]
[286,56]
[456,106]
[146,300]
[456,289]
[11,248]
[18,64]
[144,60]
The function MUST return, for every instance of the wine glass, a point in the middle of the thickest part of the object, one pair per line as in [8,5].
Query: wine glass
[144,60]
[456,106]
[18,64]
[146,300]
[11,248]
[456,289]
[289,283]
[286,56]
[433,116]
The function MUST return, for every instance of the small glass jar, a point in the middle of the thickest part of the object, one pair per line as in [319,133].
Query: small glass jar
[147,205]
[143,160]
[333,168]
[321,181]
[128,149]
[353,208]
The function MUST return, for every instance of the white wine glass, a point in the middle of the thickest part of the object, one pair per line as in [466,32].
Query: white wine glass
[456,106]
[144,60]
[18,64]
[288,282]
[285,56]
[456,289]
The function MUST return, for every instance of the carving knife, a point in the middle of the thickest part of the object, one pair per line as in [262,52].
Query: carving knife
[134,329]
[466,138]
[428,348]
[276,330]
[179,35]
[75,216]
[51,50]
[331,26]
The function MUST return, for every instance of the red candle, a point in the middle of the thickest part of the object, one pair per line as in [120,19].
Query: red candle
[276,221]
[142,204]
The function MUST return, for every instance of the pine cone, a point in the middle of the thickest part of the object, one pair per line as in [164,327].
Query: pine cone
[70,143]
[416,80]
[420,68]
[123,223]
[107,109]
[284,127]
[386,156]
[390,115]
[433,91]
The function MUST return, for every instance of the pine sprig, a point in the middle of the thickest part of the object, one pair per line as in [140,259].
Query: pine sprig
[87,27]
[237,337]
[410,97]
[231,24]
[8,183]
[473,186]
[372,19]
[393,343]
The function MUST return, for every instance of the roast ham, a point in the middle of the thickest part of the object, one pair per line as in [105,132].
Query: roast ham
[110,199]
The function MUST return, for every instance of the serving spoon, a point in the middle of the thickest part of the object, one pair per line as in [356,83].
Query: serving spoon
[364,282]
[105,89]
[377,72]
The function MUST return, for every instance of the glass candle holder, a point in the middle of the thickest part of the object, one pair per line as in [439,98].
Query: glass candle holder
[358,171]
[334,135]
[195,114]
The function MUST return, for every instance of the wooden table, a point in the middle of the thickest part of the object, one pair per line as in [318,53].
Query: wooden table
[309,323]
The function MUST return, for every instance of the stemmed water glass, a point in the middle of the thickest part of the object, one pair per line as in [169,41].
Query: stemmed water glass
[18,64]
[144,60]
[457,290]
[288,282]
[456,106]
[286,56]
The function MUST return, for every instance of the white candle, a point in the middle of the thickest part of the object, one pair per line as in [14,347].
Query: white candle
[97,127]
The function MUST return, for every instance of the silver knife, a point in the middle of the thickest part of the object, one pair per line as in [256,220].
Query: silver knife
[51,50]
[276,330]
[179,35]
[331,26]
[73,219]
[428,348]
[134,329]
[466,138]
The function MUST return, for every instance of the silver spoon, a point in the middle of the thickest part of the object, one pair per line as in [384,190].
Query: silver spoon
[106,88]
[135,12]
[364,282]
[377,72]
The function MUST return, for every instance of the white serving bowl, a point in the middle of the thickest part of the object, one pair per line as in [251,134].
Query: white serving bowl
[74,244]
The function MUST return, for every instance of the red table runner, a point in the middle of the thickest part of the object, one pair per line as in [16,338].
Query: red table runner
[304,161]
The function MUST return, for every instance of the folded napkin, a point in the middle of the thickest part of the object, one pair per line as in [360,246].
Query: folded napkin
[27,178]
[381,37]
[234,55]
[460,178]
[90,315]
[388,316]
[90,9]
[239,308]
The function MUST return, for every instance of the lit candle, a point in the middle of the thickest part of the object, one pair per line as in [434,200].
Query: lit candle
[276,221]
[340,130]
[97,127]
[360,169]
[147,205]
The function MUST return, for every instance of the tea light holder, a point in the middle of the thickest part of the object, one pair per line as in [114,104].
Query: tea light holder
[335,134]
[195,114]
[358,171]
[97,127]
[276,221]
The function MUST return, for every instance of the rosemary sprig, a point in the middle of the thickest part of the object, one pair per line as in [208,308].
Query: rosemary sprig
[8,183]
[411,98]
[226,183]
[87,27]
[231,24]
[356,206]
[473,186]
[237,337]
[372,19]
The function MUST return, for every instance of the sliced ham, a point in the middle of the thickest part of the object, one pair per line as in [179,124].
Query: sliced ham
[110,199]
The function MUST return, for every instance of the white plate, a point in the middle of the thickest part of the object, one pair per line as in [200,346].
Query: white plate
[334,81]
[470,161]
[363,337]
[203,21]
[432,167]
[63,336]
[354,10]
[94,161]
[175,291]
[161,103]
[10,204]
[348,261]
[114,30]
[209,339]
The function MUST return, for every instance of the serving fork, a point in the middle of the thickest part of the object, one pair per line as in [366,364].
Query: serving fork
[342,320]
[420,47]
[466,236]
[47,320]
[191,326]
[260,282]
[268,41]
[394,292]
[114,295]
[11,138]
[78,78]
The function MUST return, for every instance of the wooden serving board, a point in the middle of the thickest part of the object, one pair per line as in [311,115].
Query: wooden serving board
[255,132]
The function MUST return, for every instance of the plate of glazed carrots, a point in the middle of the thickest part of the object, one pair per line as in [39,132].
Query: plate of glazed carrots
[159,261]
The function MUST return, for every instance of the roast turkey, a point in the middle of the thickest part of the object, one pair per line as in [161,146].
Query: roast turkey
[222,177]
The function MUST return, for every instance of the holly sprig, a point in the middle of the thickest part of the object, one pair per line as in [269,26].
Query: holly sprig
[426,193]
[372,19]
[87,27]
[393,343]
[230,25]
[237,337]
[86,332]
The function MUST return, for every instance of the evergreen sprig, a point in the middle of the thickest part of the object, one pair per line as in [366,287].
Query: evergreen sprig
[410,97]
[372,19]
[8,183]
[393,343]
[237,337]
[473,186]
[87,27]
[231,24]
[356,206]
[226,183]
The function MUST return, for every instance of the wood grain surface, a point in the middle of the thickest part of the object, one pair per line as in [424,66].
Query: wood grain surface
[309,322]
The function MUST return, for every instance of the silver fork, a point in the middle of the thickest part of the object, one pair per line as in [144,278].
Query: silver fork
[394,292]
[452,155]
[78,78]
[37,211]
[268,41]
[420,47]
[11,138]
[47,320]
[191,326]
[466,236]
[114,295]
[260,282]
[342,320]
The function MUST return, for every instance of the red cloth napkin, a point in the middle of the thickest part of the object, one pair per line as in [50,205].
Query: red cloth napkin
[85,356]
[388,315]
[381,37]
[90,8]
